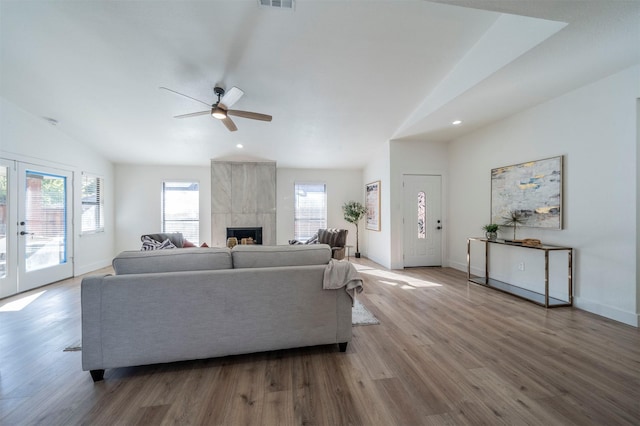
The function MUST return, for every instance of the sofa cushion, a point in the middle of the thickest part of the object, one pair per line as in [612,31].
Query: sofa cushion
[257,256]
[188,259]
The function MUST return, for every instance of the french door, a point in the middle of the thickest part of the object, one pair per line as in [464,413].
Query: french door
[8,228]
[37,231]
[422,233]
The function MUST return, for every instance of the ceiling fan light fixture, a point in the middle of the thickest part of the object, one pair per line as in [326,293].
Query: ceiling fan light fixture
[218,113]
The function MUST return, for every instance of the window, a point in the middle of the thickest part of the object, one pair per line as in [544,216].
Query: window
[181,209]
[310,211]
[92,204]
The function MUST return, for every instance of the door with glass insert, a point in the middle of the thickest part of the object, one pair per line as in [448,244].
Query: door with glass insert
[8,225]
[44,226]
[422,235]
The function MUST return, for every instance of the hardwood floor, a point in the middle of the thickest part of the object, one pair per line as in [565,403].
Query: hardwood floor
[446,353]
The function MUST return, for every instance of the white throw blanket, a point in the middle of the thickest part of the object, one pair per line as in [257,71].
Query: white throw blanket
[340,273]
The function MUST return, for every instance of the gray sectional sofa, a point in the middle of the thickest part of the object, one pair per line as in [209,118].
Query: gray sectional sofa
[194,303]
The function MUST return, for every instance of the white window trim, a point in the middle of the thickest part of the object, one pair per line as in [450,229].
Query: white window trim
[162,205]
[326,217]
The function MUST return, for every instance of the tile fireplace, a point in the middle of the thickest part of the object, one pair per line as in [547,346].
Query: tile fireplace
[243,195]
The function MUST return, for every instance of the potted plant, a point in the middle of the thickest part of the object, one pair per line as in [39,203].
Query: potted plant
[491,231]
[353,212]
[513,219]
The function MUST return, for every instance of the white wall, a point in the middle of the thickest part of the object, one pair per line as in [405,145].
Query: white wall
[377,243]
[595,128]
[342,186]
[138,200]
[138,191]
[420,158]
[28,138]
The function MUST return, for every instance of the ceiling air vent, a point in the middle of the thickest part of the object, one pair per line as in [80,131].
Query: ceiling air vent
[279,4]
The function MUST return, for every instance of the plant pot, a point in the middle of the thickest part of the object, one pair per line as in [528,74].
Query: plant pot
[358,255]
[491,236]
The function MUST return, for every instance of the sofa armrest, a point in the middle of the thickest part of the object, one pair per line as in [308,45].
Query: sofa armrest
[91,296]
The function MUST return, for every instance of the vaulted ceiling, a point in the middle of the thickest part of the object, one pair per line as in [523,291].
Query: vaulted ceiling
[340,78]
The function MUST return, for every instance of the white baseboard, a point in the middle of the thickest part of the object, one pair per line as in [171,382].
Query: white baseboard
[460,266]
[630,318]
[85,269]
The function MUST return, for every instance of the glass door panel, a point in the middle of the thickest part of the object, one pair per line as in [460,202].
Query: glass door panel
[45,224]
[4,219]
[44,228]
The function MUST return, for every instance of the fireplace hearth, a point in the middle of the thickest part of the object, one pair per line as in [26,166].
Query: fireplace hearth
[246,232]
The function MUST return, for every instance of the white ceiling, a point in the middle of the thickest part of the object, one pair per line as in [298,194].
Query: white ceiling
[339,77]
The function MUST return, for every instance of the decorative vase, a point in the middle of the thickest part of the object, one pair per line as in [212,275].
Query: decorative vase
[232,242]
[491,236]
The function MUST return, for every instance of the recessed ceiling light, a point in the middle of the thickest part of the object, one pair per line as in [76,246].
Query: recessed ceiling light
[455,123]
[239,146]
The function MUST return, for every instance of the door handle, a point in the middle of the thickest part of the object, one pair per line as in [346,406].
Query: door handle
[26,233]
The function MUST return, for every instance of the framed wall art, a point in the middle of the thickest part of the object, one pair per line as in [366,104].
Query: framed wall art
[372,203]
[532,190]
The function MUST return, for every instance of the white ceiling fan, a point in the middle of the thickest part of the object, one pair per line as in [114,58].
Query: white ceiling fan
[220,109]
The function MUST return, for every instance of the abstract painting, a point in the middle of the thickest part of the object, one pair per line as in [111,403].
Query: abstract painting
[533,189]
[372,203]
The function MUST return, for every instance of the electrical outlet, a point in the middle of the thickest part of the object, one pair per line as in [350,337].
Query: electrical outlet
[521,266]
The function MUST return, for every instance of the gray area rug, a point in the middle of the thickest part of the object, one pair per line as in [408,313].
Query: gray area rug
[361,316]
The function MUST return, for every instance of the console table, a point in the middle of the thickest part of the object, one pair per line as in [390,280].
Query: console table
[542,299]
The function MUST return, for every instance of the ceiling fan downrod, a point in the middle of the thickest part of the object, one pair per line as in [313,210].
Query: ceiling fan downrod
[216,111]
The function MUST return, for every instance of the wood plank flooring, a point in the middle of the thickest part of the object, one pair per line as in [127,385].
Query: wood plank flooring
[447,352]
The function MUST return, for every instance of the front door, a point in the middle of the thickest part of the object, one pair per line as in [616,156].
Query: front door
[44,234]
[422,220]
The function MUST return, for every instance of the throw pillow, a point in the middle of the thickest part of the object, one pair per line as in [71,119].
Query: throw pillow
[188,243]
[166,244]
[149,243]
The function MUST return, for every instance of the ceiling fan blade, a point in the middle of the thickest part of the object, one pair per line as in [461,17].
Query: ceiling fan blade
[186,96]
[229,124]
[249,114]
[231,96]
[193,114]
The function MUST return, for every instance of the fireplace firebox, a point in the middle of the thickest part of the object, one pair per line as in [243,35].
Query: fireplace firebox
[246,232]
